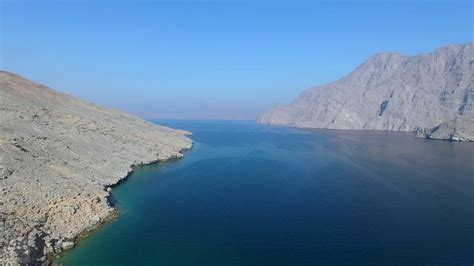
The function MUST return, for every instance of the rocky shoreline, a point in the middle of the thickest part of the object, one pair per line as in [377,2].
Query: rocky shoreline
[59,157]
[115,213]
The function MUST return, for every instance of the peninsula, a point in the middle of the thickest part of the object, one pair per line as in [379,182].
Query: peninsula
[59,157]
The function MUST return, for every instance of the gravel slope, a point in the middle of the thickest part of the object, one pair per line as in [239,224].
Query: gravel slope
[58,157]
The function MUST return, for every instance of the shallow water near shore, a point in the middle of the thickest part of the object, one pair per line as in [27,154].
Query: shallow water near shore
[256,194]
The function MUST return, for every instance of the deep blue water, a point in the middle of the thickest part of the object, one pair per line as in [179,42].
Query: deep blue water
[255,194]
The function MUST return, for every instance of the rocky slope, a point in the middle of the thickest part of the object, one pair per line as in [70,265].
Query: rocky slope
[58,158]
[431,94]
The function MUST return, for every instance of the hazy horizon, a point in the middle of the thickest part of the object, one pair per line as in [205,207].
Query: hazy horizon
[212,60]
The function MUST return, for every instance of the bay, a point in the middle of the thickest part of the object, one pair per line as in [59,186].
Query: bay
[265,195]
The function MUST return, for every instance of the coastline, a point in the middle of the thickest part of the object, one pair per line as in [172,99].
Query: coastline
[115,213]
[59,158]
[419,133]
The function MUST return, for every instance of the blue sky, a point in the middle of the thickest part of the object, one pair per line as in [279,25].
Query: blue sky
[212,59]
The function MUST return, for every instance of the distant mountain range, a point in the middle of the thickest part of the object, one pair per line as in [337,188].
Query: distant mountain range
[431,94]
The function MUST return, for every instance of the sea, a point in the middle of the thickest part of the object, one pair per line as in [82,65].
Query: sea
[252,194]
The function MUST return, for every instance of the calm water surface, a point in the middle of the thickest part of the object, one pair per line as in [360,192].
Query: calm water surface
[253,194]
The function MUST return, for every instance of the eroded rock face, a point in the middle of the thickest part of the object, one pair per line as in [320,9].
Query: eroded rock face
[459,129]
[58,157]
[394,92]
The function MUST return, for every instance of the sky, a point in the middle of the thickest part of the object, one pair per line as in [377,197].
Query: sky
[212,59]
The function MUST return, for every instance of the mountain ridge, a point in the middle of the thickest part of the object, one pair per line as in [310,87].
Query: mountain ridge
[392,91]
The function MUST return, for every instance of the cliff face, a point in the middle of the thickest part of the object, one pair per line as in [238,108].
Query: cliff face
[390,91]
[58,157]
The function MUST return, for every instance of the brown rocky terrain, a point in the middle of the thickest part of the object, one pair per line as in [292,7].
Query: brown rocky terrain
[58,158]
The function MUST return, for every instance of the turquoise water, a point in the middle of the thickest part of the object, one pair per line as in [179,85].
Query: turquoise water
[254,194]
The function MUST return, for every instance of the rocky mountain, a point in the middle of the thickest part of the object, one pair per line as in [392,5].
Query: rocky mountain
[58,158]
[431,94]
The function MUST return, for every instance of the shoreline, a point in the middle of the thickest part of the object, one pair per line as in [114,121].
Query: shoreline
[417,133]
[115,213]
[60,156]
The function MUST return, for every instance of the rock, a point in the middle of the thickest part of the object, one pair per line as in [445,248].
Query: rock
[5,172]
[459,129]
[67,244]
[95,219]
[53,165]
[433,92]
